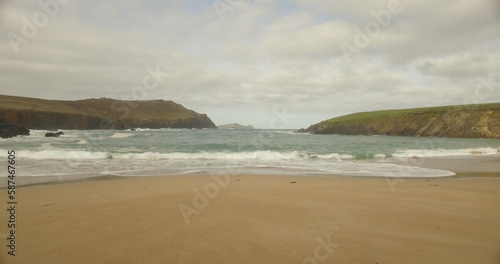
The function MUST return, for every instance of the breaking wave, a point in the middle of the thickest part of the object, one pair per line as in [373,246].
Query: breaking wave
[265,155]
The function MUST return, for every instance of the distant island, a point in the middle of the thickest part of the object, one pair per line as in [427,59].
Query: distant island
[102,113]
[235,126]
[463,121]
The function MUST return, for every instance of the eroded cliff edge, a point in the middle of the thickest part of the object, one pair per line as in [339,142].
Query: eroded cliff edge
[103,113]
[465,121]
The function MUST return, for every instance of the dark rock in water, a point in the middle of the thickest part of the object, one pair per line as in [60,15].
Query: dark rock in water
[54,134]
[8,130]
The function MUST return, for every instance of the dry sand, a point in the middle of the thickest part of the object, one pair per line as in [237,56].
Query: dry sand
[258,219]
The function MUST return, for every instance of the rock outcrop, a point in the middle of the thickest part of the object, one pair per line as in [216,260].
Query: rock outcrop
[103,113]
[466,121]
[57,134]
[12,130]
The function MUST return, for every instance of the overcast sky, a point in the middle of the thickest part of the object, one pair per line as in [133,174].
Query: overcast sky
[271,64]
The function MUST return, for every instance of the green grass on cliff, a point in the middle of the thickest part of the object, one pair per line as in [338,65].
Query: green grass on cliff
[141,110]
[421,113]
[102,107]
[35,104]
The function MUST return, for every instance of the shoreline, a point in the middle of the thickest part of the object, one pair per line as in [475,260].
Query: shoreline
[458,164]
[30,181]
[469,166]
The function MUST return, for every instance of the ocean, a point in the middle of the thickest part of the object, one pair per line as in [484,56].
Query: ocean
[147,152]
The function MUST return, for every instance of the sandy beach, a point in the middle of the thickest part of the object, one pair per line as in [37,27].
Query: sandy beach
[258,219]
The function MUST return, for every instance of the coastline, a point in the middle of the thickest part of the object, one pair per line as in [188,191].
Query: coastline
[259,219]
[462,166]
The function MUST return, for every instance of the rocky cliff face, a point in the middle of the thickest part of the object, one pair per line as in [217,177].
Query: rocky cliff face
[478,121]
[101,113]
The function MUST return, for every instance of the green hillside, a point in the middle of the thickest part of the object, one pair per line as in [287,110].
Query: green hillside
[103,113]
[468,121]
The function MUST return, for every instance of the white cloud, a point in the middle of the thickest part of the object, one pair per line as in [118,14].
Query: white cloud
[462,66]
[261,54]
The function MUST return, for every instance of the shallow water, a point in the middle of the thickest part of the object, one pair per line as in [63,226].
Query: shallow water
[176,151]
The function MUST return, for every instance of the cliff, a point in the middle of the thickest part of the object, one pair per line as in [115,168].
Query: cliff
[465,121]
[103,113]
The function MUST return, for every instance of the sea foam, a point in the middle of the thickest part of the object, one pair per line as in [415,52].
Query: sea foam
[51,152]
[120,135]
[445,152]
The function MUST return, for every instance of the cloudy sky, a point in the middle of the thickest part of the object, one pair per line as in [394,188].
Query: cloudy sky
[272,64]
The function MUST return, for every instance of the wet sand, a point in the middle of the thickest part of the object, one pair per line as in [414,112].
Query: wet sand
[257,219]
[465,166]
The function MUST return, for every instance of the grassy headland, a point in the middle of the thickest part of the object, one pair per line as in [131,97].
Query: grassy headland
[103,113]
[464,121]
